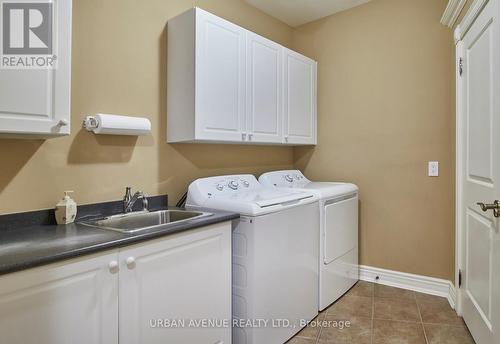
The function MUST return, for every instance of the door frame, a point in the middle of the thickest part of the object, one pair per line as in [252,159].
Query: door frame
[459,33]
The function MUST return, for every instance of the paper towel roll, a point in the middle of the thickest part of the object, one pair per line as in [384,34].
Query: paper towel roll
[117,125]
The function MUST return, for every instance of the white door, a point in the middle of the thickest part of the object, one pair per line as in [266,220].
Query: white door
[220,78]
[184,277]
[264,83]
[38,101]
[480,137]
[299,98]
[71,302]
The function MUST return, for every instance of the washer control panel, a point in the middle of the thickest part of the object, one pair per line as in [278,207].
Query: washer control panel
[227,185]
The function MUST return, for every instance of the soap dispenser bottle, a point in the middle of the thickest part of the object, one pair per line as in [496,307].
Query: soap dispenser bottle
[66,210]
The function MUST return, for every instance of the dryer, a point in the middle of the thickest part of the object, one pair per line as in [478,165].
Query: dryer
[338,221]
[275,247]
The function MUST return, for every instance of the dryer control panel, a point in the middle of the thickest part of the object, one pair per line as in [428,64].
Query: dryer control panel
[284,179]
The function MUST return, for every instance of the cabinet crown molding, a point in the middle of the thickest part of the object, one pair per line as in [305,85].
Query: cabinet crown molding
[474,10]
[452,12]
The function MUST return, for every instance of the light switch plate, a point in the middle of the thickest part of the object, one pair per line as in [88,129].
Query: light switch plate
[433,168]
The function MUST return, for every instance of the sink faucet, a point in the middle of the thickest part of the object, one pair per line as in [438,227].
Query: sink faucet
[129,200]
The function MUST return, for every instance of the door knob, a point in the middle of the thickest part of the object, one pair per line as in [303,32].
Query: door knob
[130,262]
[495,207]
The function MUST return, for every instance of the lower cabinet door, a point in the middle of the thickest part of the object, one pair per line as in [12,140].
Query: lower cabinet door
[75,302]
[177,289]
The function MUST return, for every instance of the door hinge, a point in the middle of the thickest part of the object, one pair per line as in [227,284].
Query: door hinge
[461,66]
[460,278]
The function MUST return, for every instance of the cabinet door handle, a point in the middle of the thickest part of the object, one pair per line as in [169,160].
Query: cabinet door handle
[130,262]
[243,136]
[113,266]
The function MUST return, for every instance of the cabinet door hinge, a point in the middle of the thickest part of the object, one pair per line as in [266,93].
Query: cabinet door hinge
[461,66]
[460,278]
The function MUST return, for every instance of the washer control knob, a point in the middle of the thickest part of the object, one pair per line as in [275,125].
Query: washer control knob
[289,178]
[246,183]
[233,185]
[219,187]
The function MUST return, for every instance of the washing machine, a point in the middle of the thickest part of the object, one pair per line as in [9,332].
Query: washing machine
[338,221]
[275,245]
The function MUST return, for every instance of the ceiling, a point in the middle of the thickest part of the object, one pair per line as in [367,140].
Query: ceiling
[298,12]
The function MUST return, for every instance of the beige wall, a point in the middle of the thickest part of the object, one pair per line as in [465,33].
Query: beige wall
[385,108]
[119,66]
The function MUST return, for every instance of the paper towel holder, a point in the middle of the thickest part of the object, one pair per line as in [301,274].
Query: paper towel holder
[111,124]
[90,123]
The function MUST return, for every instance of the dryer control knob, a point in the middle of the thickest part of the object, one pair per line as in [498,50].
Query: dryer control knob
[219,187]
[289,178]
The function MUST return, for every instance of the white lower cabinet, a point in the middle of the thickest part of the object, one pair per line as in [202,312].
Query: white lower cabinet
[185,278]
[132,295]
[70,302]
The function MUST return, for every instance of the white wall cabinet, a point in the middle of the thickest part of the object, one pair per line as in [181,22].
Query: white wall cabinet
[220,76]
[35,103]
[120,295]
[226,84]
[264,119]
[300,98]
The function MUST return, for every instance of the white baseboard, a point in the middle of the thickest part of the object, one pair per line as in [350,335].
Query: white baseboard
[421,284]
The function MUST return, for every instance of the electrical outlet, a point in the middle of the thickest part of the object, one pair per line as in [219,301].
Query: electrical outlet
[433,168]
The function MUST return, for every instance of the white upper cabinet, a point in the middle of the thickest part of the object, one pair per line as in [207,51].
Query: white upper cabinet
[35,103]
[299,98]
[220,79]
[264,84]
[227,84]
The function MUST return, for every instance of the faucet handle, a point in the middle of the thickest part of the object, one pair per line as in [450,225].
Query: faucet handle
[128,194]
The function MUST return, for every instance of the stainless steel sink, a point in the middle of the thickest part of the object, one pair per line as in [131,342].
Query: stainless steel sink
[139,221]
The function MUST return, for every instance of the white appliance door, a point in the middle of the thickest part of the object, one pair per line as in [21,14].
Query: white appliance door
[275,273]
[340,228]
[479,292]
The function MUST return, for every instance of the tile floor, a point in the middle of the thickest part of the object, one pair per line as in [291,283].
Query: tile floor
[386,315]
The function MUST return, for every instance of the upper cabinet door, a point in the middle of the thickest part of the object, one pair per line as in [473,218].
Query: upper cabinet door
[299,99]
[220,79]
[36,101]
[264,83]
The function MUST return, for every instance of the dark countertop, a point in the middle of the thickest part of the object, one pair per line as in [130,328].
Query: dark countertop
[35,245]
